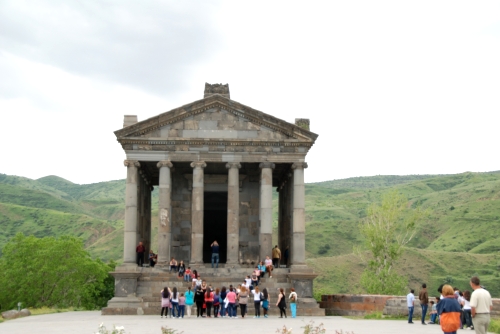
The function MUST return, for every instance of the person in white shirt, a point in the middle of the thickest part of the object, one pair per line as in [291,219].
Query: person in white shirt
[481,305]
[410,301]
[467,310]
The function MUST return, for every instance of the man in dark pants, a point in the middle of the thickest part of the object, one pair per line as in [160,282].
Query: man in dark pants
[215,253]
[410,301]
[140,254]
[276,256]
[423,296]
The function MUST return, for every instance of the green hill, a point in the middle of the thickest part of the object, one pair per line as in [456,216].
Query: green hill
[461,236]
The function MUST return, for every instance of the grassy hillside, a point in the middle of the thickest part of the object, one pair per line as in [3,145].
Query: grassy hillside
[461,237]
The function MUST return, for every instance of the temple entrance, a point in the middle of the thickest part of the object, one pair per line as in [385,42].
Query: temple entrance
[215,225]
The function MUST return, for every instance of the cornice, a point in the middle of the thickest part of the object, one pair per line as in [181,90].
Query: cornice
[214,142]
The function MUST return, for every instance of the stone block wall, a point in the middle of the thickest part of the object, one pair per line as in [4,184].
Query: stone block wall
[360,305]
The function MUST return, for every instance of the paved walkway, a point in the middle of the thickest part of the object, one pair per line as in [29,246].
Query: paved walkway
[88,323]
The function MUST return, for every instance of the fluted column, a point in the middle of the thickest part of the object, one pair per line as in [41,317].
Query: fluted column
[130,228]
[298,251]
[164,212]
[233,212]
[197,213]
[266,209]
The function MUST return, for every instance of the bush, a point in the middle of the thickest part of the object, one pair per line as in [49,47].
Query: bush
[52,272]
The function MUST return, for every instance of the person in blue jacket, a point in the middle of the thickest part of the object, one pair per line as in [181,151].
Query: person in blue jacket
[448,309]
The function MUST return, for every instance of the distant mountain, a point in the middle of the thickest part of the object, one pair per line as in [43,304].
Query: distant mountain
[463,227]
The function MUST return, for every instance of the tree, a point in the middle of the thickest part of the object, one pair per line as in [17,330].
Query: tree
[387,228]
[50,272]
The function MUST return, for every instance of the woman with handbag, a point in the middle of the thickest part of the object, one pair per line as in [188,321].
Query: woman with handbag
[165,301]
[223,295]
[281,303]
[265,302]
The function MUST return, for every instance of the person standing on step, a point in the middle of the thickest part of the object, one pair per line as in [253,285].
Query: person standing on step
[199,299]
[281,303]
[209,301]
[257,296]
[266,300]
[410,301]
[423,296]
[140,249]
[293,302]
[217,302]
[182,305]
[243,300]
[276,253]
[215,253]
[223,308]
[189,301]
[175,302]
[165,301]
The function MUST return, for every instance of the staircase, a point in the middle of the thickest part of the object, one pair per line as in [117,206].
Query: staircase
[152,280]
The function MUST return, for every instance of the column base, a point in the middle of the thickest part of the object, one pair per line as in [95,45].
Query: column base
[302,278]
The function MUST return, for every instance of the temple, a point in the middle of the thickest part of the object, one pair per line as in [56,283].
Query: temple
[216,163]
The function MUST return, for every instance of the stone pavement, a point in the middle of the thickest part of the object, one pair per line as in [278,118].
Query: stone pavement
[88,322]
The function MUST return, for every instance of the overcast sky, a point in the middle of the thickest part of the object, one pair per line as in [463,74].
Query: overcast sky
[391,87]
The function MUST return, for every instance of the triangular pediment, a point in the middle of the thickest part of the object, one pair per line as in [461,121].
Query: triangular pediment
[216,118]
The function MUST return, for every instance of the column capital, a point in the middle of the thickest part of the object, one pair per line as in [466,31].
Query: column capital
[198,164]
[131,163]
[299,165]
[233,165]
[164,163]
[267,164]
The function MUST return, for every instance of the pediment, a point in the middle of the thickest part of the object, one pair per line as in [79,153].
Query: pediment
[216,118]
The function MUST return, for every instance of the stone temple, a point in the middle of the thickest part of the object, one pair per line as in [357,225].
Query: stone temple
[216,163]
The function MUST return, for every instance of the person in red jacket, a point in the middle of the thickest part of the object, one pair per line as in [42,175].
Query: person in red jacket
[448,309]
[140,254]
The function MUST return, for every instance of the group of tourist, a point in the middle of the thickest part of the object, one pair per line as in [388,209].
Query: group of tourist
[454,309]
[224,302]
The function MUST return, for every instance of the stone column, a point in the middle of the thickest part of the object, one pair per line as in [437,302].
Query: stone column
[266,209]
[164,212]
[298,251]
[233,212]
[130,228]
[197,213]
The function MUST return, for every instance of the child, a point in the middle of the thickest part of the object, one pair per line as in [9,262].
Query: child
[433,313]
[257,272]
[187,274]
[182,304]
[248,282]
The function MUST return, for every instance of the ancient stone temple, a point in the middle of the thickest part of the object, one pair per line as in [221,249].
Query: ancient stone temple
[216,163]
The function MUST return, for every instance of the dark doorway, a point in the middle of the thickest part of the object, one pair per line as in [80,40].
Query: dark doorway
[215,225]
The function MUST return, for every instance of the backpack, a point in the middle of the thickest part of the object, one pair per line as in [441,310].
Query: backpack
[216,300]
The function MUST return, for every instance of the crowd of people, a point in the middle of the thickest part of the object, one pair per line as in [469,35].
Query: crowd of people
[454,309]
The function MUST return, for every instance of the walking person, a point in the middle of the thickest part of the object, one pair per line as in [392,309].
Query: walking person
[175,302]
[140,249]
[209,301]
[243,300]
[199,299]
[256,301]
[481,305]
[215,253]
[410,302]
[265,302]
[281,303]
[423,296]
[293,302]
[189,301]
[165,301]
